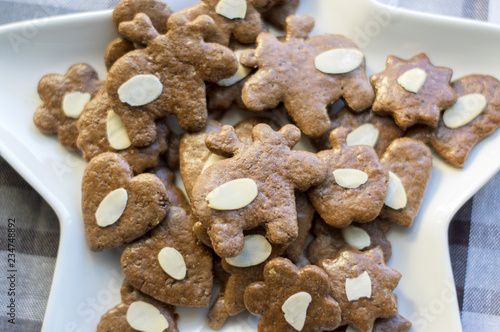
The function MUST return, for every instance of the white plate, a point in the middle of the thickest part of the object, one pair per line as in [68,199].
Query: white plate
[86,284]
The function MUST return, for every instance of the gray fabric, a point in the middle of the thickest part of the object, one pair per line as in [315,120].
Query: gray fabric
[474,233]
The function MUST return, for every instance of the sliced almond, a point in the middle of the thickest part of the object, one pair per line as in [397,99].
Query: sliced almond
[396,193]
[256,250]
[74,102]
[111,207]
[232,8]
[233,195]
[339,60]
[117,134]
[295,309]
[350,178]
[172,262]
[356,237]
[466,109]
[366,134]
[140,90]
[413,79]
[240,74]
[212,160]
[143,316]
[356,288]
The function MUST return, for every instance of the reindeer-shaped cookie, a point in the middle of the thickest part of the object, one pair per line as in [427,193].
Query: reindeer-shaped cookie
[254,187]
[289,72]
[168,76]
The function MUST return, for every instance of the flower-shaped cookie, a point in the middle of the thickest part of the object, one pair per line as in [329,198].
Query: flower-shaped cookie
[409,163]
[479,104]
[254,187]
[126,316]
[117,207]
[288,72]
[366,128]
[290,299]
[363,286]
[329,240]
[63,99]
[168,76]
[355,187]
[170,264]
[413,91]
[101,130]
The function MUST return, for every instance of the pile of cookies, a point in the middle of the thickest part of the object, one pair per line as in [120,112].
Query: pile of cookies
[252,199]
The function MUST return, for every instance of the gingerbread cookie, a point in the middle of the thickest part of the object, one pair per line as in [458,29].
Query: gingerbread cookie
[305,216]
[409,163]
[157,11]
[290,299]
[277,15]
[170,264]
[362,285]
[118,207]
[475,116]
[365,128]
[300,73]
[115,50]
[175,195]
[167,77]
[413,91]
[138,312]
[355,187]
[217,314]
[329,240]
[63,99]
[254,187]
[396,323]
[101,130]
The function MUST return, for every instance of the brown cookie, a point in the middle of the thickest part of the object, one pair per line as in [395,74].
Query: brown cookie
[117,207]
[410,161]
[455,144]
[217,314]
[100,131]
[115,50]
[167,77]
[245,27]
[329,240]
[288,73]
[116,319]
[355,187]
[63,99]
[290,299]
[175,195]
[396,323]
[398,93]
[157,11]
[362,285]
[377,131]
[269,171]
[194,154]
[305,216]
[277,15]
[170,264]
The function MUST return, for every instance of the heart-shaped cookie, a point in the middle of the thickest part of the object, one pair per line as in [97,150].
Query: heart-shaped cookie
[118,207]
[170,264]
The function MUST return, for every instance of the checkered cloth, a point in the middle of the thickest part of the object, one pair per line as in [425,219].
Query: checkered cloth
[474,232]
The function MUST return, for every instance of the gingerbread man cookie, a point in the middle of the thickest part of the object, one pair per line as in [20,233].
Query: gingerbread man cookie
[475,116]
[355,187]
[362,285]
[290,299]
[300,73]
[167,77]
[409,163]
[365,128]
[118,207]
[101,130]
[63,99]
[170,264]
[254,187]
[138,312]
[413,91]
